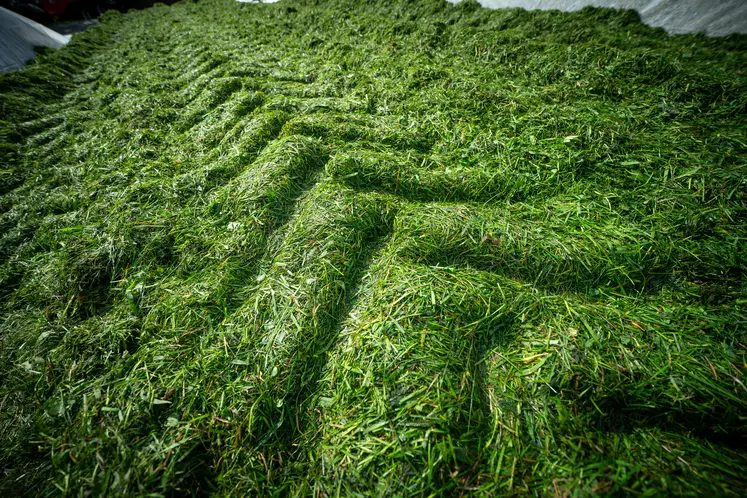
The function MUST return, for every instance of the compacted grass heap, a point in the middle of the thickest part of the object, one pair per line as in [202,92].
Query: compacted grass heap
[378,248]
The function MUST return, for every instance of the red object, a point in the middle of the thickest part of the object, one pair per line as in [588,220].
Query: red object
[55,8]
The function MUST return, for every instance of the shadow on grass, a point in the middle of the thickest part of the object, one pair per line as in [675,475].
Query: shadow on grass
[294,420]
[626,413]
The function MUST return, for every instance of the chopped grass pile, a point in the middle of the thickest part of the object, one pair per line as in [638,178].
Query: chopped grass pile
[374,248]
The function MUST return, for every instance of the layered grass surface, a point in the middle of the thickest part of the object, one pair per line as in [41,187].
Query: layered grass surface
[389,248]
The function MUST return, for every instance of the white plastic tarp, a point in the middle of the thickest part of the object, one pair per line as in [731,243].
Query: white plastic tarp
[714,17]
[19,36]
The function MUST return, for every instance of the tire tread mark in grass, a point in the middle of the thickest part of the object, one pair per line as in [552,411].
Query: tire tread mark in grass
[301,366]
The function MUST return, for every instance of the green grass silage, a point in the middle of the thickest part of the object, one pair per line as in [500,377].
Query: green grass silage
[389,248]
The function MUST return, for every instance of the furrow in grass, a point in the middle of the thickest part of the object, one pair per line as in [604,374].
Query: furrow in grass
[242,144]
[209,134]
[404,399]
[218,91]
[241,137]
[419,177]
[577,253]
[287,88]
[379,132]
[197,80]
[237,219]
[264,72]
[312,104]
[274,177]
[34,129]
[199,63]
[293,318]
[46,136]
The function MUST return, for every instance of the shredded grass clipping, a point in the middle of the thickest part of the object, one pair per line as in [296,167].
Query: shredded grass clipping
[374,248]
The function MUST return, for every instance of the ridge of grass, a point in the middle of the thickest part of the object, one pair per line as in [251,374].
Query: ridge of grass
[387,248]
